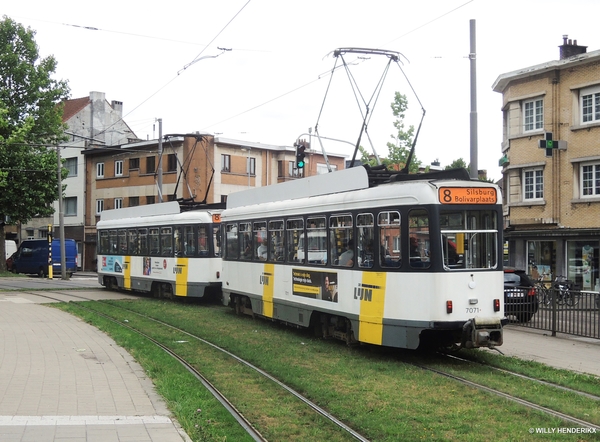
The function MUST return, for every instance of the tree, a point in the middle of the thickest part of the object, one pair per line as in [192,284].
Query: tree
[457,164]
[399,149]
[30,124]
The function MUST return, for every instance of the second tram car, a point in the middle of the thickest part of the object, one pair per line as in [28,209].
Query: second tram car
[371,256]
[161,250]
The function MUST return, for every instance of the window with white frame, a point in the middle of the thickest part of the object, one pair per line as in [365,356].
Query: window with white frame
[533,184]
[251,166]
[100,170]
[322,168]
[118,203]
[225,163]
[99,206]
[533,115]
[119,168]
[590,180]
[70,206]
[71,166]
[590,105]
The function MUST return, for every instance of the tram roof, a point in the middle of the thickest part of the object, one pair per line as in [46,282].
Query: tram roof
[347,180]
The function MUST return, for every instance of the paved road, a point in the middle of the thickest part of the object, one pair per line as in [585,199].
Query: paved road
[26,282]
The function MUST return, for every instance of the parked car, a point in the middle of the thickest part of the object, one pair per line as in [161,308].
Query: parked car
[32,257]
[520,298]
[9,262]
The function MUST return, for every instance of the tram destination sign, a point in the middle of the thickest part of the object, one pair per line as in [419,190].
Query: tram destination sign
[468,195]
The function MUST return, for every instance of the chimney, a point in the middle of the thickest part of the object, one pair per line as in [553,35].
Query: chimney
[117,106]
[570,48]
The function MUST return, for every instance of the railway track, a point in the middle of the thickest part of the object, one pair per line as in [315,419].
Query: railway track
[239,417]
[454,377]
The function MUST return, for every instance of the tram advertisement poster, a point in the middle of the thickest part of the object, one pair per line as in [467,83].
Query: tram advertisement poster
[315,285]
[112,264]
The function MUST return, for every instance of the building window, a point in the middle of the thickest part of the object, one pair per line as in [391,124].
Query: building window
[590,105]
[225,163]
[150,164]
[70,206]
[251,166]
[590,180]
[119,168]
[30,234]
[150,199]
[134,201]
[99,206]
[171,163]
[582,263]
[533,184]
[100,170]
[533,115]
[118,203]
[71,166]
[134,163]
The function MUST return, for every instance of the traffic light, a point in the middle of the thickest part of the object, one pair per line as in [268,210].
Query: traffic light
[300,148]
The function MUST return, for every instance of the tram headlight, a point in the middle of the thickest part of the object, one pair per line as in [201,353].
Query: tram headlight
[448,306]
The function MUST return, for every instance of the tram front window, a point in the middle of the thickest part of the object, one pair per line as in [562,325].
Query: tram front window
[469,239]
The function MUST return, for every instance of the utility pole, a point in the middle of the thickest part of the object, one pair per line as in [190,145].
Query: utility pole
[61,220]
[160,168]
[473,170]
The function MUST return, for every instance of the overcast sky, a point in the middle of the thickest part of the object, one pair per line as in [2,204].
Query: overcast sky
[274,81]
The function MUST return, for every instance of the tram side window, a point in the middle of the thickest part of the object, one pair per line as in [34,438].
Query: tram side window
[189,241]
[112,239]
[216,240]
[154,241]
[104,242]
[177,239]
[294,237]
[366,239]
[259,240]
[342,250]
[390,255]
[419,243]
[316,241]
[166,241]
[143,241]
[132,242]
[231,241]
[246,241]
[122,238]
[203,241]
[276,248]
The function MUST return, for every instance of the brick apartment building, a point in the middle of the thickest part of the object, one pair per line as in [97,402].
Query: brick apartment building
[552,196]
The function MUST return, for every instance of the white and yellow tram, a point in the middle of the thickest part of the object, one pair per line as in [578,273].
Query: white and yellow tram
[161,250]
[414,260]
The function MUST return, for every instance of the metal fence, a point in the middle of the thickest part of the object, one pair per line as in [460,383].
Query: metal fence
[575,313]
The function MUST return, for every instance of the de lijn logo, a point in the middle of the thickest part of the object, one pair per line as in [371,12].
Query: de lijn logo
[364,292]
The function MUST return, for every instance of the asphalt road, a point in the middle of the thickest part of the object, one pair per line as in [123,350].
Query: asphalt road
[33,282]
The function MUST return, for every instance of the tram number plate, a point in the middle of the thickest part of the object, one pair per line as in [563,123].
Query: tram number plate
[473,310]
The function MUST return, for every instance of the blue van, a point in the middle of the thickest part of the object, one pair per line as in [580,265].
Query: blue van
[32,257]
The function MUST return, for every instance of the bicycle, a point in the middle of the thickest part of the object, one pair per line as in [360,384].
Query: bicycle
[565,291]
[544,294]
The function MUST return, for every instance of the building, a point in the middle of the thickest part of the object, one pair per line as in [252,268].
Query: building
[90,120]
[551,165]
[193,167]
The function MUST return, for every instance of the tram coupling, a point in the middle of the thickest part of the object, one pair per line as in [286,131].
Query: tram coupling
[482,332]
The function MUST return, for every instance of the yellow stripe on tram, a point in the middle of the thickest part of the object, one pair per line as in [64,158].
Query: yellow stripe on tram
[181,276]
[127,272]
[266,279]
[372,296]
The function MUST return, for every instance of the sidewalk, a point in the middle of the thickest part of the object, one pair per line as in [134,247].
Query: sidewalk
[62,379]
[563,351]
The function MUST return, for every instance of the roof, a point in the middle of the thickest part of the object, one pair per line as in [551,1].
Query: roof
[503,80]
[72,107]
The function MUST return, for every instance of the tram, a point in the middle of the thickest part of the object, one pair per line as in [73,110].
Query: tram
[399,260]
[161,249]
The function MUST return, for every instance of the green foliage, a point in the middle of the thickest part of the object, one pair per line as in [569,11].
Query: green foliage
[399,149]
[30,121]
[457,164]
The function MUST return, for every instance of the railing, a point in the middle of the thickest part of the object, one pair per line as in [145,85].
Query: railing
[572,312]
